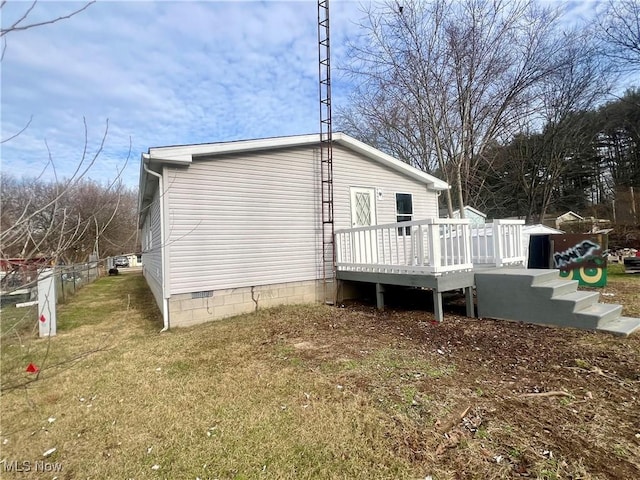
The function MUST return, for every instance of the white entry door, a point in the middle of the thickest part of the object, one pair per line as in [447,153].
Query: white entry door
[363,214]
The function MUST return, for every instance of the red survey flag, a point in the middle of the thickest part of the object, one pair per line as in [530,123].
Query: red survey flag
[31,368]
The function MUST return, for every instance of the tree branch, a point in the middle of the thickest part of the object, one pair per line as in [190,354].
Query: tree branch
[15,27]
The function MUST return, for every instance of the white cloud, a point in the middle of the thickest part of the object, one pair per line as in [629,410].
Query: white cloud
[164,73]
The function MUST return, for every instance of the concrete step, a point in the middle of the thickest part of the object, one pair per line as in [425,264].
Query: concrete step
[528,276]
[576,301]
[542,297]
[591,317]
[623,326]
[558,287]
[541,276]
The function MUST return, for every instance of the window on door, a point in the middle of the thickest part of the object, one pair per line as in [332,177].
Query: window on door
[363,207]
[404,211]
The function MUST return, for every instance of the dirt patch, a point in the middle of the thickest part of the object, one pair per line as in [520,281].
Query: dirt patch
[544,399]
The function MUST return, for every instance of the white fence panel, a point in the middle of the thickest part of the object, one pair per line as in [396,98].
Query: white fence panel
[498,243]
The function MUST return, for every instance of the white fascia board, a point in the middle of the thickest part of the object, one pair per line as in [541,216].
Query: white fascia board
[173,158]
[186,153]
[571,213]
[539,229]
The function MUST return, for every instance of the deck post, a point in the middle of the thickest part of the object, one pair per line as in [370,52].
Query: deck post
[437,305]
[468,293]
[380,296]
[498,250]
[435,256]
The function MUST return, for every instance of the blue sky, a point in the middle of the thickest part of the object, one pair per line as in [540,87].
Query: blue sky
[163,73]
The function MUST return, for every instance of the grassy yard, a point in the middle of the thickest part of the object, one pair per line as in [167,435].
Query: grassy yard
[317,392]
[622,288]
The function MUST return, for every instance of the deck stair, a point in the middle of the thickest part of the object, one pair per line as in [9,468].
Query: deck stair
[543,297]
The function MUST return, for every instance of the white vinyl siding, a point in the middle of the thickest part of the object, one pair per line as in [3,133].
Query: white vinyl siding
[253,218]
[152,254]
[244,220]
[353,170]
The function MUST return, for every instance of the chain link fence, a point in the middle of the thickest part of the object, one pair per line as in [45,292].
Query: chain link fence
[71,278]
[20,283]
[19,288]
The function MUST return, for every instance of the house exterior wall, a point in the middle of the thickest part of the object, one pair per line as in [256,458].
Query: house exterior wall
[243,220]
[151,250]
[246,227]
[352,170]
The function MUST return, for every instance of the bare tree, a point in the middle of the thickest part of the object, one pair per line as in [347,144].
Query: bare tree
[619,28]
[579,83]
[40,218]
[89,218]
[22,22]
[63,221]
[441,81]
[49,222]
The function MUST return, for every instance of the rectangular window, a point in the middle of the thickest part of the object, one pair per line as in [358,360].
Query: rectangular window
[404,211]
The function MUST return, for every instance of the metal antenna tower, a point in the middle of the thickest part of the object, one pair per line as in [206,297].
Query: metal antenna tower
[326,152]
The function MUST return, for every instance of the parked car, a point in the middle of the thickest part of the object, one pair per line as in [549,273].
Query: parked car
[632,264]
[121,262]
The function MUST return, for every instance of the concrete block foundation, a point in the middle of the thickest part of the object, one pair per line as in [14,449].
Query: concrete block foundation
[193,308]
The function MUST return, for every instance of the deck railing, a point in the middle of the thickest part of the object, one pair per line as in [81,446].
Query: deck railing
[422,246]
[432,246]
[497,243]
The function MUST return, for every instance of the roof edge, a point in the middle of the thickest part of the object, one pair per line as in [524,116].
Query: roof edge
[185,154]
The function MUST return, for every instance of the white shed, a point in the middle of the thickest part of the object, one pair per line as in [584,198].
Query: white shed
[231,227]
[537,229]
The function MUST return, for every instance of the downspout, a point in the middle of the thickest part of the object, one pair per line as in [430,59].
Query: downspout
[165,299]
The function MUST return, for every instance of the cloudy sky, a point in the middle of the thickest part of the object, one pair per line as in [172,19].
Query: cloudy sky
[162,73]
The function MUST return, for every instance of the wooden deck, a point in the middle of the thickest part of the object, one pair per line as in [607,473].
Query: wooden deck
[436,254]
[436,283]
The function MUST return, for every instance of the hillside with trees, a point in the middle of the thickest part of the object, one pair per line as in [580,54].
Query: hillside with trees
[518,109]
[588,162]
